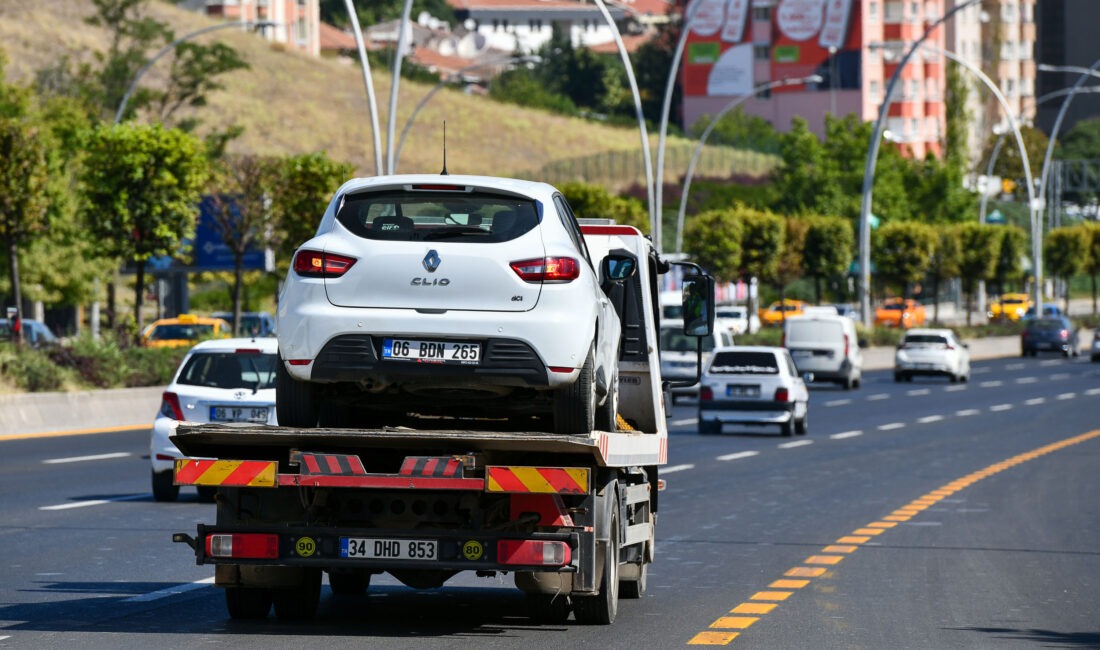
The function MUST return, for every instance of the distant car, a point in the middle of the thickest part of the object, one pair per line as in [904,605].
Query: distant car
[35,333]
[738,318]
[1010,307]
[1050,310]
[222,380]
[753,385]
[936,352]
[184,330]
[679,354]
[848,311]
[777,312]
[1055,333]
[1094,350]
[253,323]
[898,312]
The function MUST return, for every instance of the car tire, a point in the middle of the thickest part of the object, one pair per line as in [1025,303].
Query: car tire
[709,426]
[802,427]
[787,428]
[575,405]
[164,489]
[296,402]
[247,604]
[607,414]
[897,377]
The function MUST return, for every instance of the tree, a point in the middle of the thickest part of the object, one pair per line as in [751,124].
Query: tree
[141,187]
[828,250]
[1065,252]
[713,240]
[589,200]
[944,264]
[1009,165]
[1092,265]
[903,252]
[791,260]
[761,247]
[242,215]
[979,243]
[1012,247]
[738,129]
[304,187]
[796,178]
[23,181]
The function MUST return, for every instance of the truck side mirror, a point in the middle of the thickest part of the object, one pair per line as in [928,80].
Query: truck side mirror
[698,301]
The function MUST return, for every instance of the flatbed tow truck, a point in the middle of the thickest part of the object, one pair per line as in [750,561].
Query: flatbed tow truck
[572,517]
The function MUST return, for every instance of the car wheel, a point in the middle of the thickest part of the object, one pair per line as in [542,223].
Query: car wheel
[607,414]
[802,427]
[575,405]
[849,383]
[1095,358]
[709,426]
[954,378]
[244,603]
[787,428]
[296,401]
[897,377]
[163,487]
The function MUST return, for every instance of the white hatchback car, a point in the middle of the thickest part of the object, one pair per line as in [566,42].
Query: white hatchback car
[936,352]
[755,385]
[445,295]
[220,380]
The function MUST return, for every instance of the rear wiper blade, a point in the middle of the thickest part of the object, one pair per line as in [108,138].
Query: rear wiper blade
[448,233]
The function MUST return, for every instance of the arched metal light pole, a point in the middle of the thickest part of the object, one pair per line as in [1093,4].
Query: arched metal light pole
[872,159]
[656,229]
[372,103]
[397,59]
[171,46]
[706,134]
[1057,127]
[532,58]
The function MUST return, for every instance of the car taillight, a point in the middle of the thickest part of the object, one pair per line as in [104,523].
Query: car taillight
[1064,334]
[547,269]
[244,545]
[170,406]
[845,346]
[706,394]
[318,264]
[782,395]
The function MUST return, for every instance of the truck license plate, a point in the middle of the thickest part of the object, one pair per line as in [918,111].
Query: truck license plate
[466,354]
[387,549]
[238,414]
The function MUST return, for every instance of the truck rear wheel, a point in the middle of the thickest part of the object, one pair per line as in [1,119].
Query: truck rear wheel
[244,603]
[296,401]
[575,405]
[635,587]
[299,603]
[602,608]
[349,584]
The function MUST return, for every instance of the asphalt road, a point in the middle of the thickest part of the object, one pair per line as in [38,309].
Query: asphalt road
[914,515]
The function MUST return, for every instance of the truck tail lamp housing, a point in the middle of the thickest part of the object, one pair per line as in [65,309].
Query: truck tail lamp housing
[533,552]
[257,546]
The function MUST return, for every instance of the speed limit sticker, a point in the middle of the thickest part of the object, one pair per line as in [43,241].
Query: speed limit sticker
[472,550]
[305,546]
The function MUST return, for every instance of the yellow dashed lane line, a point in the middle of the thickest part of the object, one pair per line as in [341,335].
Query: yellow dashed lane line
[727,628]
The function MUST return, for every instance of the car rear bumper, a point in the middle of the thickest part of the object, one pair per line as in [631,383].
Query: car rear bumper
[759,412]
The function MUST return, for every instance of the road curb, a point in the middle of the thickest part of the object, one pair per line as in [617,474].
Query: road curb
[79,412]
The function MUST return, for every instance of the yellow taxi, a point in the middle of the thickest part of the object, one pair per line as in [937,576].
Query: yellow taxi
[184,330]
[1010,306]
[898,312]
[776,312]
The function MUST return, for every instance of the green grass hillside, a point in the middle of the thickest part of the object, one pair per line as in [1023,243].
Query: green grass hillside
[291,103]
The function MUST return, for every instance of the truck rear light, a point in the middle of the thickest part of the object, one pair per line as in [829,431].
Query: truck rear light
[243,545]
[170,406]
[782,395]
[318,264]
[533,552]
[547,269]
[706,394]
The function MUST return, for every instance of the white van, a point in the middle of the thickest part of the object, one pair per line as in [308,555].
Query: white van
[679,354]
[827,346]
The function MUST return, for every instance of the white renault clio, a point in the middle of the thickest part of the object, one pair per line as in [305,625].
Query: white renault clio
[445,295]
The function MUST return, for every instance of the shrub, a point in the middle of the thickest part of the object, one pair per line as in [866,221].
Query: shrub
[152,366]
[31,370]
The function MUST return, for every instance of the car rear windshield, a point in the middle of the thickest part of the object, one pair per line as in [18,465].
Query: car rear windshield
[744,363]
[1045,324]
[924,338]
[191,332]
[229,370]
[813,331]
[413,216]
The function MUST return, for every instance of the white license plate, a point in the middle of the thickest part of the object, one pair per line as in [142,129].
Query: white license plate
[387,549]
[466,354]
[238,414]
[742,391]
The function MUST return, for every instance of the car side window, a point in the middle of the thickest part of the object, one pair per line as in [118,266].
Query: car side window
[572,227]
[791,369]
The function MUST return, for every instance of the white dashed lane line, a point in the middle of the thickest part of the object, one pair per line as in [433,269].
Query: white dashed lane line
[1060,375]
[93,502]
[919,391]
[78,459]
[954,389]
[837,402]
[739,455]
[1026,380]
[878,396]
[846,434]
[796,443]
[170,591]
[684,423]
[1000,407]
[991,384]
[1065,396]
[676,468]
[1034,401]
[929,419]
[1093,391]
[891,426]
[967,412]
[1015,366]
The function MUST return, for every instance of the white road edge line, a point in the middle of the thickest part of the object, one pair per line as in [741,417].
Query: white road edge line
[846,434]
[78,459]
[94,502]
[739,455]
[796,443]
[891,426]
[170,591]
[675,468]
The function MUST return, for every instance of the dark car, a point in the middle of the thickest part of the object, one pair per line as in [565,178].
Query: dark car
[1054,333]
[35,333]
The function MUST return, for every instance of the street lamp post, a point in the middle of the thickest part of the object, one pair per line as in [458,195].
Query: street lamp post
[372,103]
[397,59]
[706,134]
[171,46]
[442,82]
[872,159]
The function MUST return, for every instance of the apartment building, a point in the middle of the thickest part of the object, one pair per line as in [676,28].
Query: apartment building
[298,21]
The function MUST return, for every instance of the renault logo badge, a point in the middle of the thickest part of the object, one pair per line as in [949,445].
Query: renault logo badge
[431,261]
